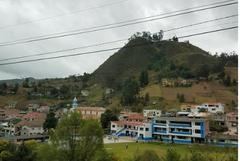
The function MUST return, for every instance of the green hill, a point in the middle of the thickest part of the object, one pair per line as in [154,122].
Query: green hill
[160,59]
[157,56]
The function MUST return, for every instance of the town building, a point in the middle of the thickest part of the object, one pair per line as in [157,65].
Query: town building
[43,109]
[222,139]
[134,125]
[189,108]
[152,113]
[212,107]
[7,129]
[138,130]
[91,112]
[232,123]
[29,128]
[74,103]
[180,129]
[34,116]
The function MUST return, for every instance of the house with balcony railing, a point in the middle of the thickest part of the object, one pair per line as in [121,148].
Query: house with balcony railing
[180,129]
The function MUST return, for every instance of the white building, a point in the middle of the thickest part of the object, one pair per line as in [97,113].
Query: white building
[180,129]
[152,113]
[7,129]
[212,107]
[91,112]
[29,128]
[138,130]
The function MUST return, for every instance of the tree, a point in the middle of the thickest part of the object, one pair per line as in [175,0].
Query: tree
[15,89]
[175,38]
[227,81]
[234,82]
[147,156]
[215,126]
[181,97]
[172,155]
[3,88]
[74,139]
[26,83]
[203,71]
[143,78]
[147,98]
[24,153]
[51,121]
[129,92]
[64,91]
[107,117]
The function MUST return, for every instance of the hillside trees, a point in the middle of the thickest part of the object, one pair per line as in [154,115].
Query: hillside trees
[143,78]
[148,36]
[203,71]
[130,91]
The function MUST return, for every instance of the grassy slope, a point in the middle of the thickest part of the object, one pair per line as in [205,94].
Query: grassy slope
[198,93]
[232,72]
[120,152]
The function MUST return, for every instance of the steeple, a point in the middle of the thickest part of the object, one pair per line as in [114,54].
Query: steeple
[74,103]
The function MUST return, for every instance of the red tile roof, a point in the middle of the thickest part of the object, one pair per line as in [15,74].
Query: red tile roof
[34,115]
[131,123]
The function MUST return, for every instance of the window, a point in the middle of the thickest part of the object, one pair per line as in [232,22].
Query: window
[141,129]
[197,123]
[113,126]
[147,129]
[197,131]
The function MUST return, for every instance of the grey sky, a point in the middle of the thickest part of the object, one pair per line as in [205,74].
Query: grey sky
[19,11]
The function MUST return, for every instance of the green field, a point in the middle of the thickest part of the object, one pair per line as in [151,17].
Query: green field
[123,154]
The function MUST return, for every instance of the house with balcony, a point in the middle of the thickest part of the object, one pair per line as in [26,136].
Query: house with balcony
[180,129]
[152,113]
[212,107]
[134,125]
[137,130]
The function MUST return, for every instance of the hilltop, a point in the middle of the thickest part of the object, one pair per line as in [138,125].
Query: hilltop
[154,56]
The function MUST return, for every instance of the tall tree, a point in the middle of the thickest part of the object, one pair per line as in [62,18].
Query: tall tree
[107,117]
[51,121]
[143,78]
[74,139]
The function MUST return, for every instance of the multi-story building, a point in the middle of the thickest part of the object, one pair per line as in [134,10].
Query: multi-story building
[134,125]
[138,130]
[232,122]
[91,112]
[152,113]
[29,128]
[180,129]
[212,107]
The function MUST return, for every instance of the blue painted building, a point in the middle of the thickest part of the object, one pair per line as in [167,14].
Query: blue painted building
[180,129]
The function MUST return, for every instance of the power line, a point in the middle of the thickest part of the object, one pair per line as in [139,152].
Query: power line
[64,14]
[111,49]
[115,41]
[105,27]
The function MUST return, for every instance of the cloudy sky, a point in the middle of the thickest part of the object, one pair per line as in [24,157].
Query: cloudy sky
[30,18]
